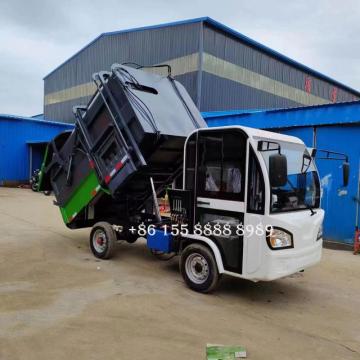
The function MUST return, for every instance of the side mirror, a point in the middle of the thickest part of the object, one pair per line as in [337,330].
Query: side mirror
[277,170]
[346,173]
[313,152]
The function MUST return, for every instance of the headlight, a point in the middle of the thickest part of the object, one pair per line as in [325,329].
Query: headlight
[279,239]
[320,233]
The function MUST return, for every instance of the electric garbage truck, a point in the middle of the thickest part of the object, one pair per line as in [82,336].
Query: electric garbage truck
[243,202]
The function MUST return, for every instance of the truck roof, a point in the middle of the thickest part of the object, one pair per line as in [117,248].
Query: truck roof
[254,133]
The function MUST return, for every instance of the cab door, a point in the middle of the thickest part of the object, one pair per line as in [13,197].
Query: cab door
[255,240]
[220,190]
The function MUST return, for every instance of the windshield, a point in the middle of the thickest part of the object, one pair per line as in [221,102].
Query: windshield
[302,189]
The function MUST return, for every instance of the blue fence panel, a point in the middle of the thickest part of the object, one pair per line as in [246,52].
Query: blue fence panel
[304,133]
[339,202]
[15,134]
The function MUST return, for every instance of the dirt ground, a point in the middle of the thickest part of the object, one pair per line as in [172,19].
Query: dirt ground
[58,302]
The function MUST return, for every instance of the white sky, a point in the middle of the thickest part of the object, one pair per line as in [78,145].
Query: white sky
[38,35]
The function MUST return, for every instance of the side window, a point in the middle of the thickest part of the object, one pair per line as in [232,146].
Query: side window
[256,186]
[221,162]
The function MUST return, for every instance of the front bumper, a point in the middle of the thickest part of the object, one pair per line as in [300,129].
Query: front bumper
[286,262]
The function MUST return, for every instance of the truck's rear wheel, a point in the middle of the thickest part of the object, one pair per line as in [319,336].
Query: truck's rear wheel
[103,240]
[198,268]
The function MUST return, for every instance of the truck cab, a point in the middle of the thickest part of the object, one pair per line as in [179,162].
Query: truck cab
[257,228]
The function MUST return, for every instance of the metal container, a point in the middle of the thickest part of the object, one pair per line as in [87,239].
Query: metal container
[132,130]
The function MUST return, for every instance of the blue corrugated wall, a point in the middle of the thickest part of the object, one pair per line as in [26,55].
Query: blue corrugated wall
[15,133]
[306,134]
[339,203]
[333,127]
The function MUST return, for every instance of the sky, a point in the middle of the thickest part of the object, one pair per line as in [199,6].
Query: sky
[38,35]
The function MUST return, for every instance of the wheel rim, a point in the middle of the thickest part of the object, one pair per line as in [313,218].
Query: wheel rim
[99,241]
[197,268]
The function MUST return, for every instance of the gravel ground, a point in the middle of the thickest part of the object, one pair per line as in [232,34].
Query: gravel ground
[58,302]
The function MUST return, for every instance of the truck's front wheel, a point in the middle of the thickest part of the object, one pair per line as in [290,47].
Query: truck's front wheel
[103,240]
[198,268]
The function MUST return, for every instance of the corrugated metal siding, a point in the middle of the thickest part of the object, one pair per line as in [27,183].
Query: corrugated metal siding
[338,202]
[221,94]
[331,114]
[62,111]
[14,159]
[306,134]
[152,46]
[190,82]
[144,47]
[219,44]
[235,73]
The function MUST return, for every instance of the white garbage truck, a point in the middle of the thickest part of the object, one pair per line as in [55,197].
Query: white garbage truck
[243,202]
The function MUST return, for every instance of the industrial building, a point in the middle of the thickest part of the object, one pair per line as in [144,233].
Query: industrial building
[221,69]
[333,127]
[23,141]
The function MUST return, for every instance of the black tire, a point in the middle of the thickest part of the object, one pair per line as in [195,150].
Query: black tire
[206,277]
[103,240]
[34,186]
[131,238]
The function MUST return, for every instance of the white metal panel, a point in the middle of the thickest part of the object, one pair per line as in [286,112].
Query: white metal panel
[228,205]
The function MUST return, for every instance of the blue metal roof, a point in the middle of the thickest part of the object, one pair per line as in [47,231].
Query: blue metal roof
[38,116]
[318,115]
[228,30]
[34,119]
[225,113]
